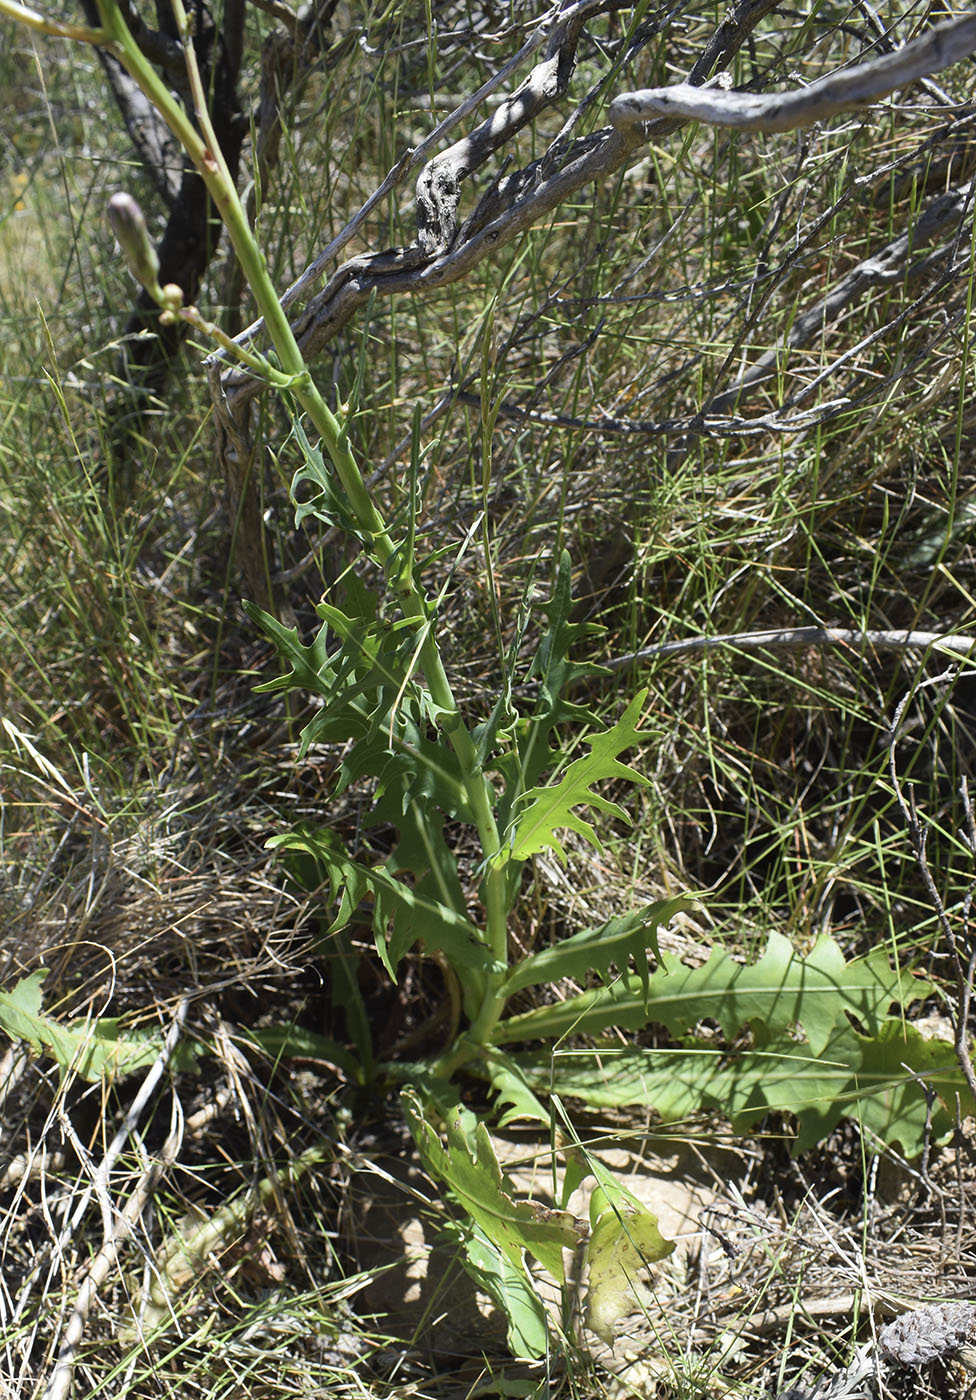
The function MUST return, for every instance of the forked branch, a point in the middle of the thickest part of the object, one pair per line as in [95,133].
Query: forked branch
[446,251]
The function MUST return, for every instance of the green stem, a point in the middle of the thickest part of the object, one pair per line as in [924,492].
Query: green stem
[79,33]
[204,151]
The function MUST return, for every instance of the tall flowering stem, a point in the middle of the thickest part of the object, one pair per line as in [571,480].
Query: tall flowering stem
[200,143]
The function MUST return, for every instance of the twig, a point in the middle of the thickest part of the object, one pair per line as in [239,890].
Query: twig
[793,637]
[118,1227]
[524,197]
[889,264]
[283,13]
[78,33]
[715,426]
[827,97]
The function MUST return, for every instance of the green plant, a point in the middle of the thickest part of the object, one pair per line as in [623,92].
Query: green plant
[376,668]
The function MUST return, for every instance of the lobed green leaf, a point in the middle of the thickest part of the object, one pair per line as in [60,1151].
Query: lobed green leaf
[542,811]
[621,938]
[471,1171]
[884,1082]
[92,1049]
[782,989]
[309,667]
[401,915]
[509,1287]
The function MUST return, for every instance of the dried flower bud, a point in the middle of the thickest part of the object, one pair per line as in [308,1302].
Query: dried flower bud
[129,226]
[923,1334]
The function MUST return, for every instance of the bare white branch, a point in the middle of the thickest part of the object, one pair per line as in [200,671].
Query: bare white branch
[846,91]
[795,637]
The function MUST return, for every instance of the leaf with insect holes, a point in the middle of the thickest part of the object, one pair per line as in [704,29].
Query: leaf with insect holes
[624,1239]
[91,1049]
[469,1167]
[544,810]
[624,937]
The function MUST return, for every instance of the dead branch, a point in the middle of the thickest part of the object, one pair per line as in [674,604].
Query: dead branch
[408,161]
[792,638]
[445,253]
[829,96]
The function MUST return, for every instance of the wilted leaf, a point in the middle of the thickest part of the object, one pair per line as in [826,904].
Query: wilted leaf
[184,1256]
[624,1239]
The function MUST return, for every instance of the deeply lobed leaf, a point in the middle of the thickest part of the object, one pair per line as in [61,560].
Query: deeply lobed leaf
[509,1287]
[782,989]
[542,811]
[881,1081]
[624,937]
[401,914]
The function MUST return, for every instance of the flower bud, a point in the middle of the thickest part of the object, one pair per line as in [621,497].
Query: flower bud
[129,226]
[172,298]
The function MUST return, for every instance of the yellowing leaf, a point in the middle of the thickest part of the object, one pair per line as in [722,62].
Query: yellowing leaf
[624,1240]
